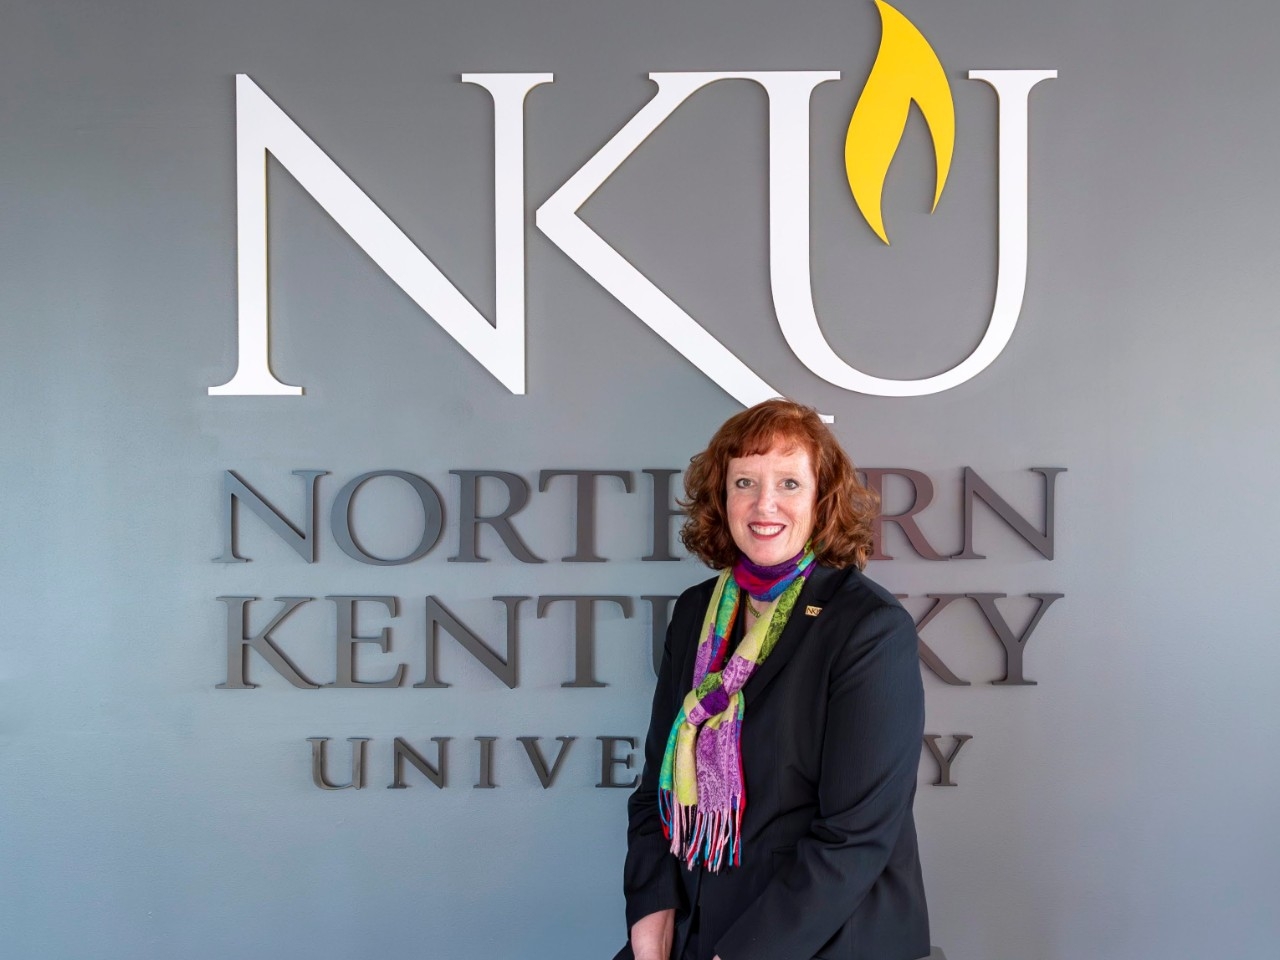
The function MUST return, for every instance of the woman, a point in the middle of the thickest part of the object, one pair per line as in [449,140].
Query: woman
[773,818]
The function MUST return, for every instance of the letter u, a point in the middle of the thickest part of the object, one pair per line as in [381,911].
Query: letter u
[789,237]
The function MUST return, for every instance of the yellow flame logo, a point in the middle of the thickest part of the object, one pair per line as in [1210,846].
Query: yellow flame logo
[906,69]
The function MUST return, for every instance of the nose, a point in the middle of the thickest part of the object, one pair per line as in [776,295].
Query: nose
[767,502]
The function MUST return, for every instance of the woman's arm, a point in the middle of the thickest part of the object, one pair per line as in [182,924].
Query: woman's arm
[651,936]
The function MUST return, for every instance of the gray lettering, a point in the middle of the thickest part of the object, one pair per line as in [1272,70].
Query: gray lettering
[662,513]
[1014,644]
[319,775]
[659,618]
[235,490]
[975,488]
[930,659]
[584,633]
[432,511]
[347,638]
[486,763]
[609,760]
[437,773]
[470,519]
[505,669]
[945,762]
[585,497]
[545,776]
[240,641]
[921,497]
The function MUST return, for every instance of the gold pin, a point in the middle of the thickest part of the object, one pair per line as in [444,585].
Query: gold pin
[812,611]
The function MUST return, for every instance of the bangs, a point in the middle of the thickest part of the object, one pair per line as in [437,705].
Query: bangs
[766,438]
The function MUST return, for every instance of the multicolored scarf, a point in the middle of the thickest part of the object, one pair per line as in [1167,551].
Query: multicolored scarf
[702,789]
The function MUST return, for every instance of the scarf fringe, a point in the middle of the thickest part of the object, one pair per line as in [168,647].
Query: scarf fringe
[713,838]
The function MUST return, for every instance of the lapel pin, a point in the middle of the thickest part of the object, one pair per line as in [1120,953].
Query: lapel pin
[812,611]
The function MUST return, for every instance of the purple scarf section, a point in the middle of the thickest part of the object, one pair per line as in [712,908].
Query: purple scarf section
[766,583]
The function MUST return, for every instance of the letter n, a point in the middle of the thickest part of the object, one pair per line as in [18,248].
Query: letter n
[262,128]
[975,488]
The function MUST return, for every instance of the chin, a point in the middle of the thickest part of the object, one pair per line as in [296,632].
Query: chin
[771,555]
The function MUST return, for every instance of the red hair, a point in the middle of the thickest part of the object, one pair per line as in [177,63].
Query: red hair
[845,507]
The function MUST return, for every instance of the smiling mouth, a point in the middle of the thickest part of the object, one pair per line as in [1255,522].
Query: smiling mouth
[765,529]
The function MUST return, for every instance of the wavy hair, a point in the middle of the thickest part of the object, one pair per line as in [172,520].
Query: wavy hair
[845,507]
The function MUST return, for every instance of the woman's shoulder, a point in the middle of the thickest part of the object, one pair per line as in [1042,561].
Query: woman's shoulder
[855,595]
[858,584]
[698,595]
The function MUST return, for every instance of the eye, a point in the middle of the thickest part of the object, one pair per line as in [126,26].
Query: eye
[790,484]
[742,483]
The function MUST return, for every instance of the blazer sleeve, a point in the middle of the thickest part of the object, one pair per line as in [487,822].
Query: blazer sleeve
[870,757]
[650,878]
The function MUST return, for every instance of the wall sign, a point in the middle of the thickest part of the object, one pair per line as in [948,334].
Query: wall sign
[906,70]
[254,625]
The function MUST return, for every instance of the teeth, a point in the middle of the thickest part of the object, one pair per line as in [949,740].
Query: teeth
[765,530]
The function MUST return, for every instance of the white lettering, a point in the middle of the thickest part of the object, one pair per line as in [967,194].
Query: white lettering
[789,238]
[262,127]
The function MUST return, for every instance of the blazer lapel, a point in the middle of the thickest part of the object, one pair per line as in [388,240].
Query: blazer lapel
[820,587]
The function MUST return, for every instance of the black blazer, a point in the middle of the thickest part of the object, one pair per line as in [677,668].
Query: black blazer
[831,745]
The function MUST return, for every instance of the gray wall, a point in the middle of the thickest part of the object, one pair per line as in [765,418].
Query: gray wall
[1121,808]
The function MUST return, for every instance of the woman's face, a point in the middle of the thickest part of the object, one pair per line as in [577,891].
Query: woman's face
[770,499]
